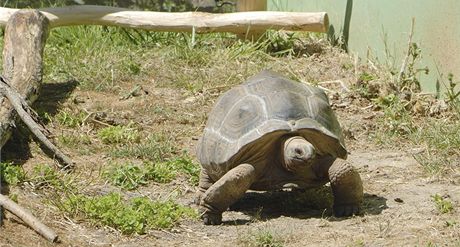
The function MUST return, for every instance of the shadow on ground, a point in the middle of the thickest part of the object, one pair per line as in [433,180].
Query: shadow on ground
[50,96]
[301,204]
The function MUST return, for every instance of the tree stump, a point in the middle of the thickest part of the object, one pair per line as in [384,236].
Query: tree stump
[24,42]
[25,38]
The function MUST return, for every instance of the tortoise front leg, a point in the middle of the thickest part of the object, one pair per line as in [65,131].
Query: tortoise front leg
[226,191]
[347,188]
[203,186]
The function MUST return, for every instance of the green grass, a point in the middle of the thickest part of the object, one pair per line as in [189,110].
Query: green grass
[155,148]
[137,215]
[70,119]
[262,238]
[130,176]
[12,174]
[119,135]
[443,205]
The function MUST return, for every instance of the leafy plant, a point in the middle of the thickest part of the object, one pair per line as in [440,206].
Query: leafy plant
[118,134]
[442,204]
[70,119]
[138,215]
[129,176]
[126,176]
[12,174]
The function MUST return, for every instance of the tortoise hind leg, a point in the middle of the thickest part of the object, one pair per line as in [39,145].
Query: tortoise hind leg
[226,191]
[347,188]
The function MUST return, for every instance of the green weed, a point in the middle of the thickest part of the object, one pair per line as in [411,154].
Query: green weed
[12,174]
[262,238]
[46,177]
[70,119]
[74,140]
[119,134]
[156,148]
[126,176]
[138,215]
[442,204]
[129,176]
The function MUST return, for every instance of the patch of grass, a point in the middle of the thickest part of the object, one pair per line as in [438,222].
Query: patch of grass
[156,148]
[74,140]
[46,177]
[126,176]
[12,174]
[70,119]
[119,134]
[130,176]
[138,215]
[443,205]
[262,238]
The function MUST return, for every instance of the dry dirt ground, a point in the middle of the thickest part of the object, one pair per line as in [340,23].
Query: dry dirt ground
[398,208]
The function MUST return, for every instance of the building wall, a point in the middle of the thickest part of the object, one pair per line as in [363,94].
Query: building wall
[381,29]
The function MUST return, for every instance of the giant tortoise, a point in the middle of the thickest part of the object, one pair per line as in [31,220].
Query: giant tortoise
[272,133]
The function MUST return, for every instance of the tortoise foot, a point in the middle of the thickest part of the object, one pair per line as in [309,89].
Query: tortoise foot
[212,218]
[345,210]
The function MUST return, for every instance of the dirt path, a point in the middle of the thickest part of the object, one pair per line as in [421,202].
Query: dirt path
[398,208]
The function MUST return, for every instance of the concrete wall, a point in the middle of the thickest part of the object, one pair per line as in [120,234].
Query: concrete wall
[370,24]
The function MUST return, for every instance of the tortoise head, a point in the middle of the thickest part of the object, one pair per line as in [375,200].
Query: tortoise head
[298,153]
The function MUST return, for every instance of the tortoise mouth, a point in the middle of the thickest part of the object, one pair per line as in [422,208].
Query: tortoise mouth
[297,153]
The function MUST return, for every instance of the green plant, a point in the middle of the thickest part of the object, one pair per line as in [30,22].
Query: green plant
[45,176]
[442,204]
[126,176]
[262,238]
[138,215]
[129,176]
[12,174]
[118,134]
[74,140]
[160,172]
[70,119]
[186,165]
[156,148]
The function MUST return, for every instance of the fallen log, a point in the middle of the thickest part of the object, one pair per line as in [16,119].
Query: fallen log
[28,218]
[239,22]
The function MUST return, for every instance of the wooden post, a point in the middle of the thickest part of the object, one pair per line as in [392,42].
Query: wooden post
[24,42]
[251,5]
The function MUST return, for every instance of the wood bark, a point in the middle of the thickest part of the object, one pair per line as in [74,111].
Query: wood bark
[28,218]
[240,22]
[27,116]
[24,42]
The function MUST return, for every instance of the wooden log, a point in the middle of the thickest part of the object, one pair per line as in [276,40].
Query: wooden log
[24,41]
[28,218]
[240,22]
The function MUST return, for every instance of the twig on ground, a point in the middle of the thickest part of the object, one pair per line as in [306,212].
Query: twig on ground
[21,107]
[28,218]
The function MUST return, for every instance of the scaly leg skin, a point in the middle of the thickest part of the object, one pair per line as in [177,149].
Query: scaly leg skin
[226,191]
[203,186]
[347,188]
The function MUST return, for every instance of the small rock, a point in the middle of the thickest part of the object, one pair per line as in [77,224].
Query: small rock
[397,199]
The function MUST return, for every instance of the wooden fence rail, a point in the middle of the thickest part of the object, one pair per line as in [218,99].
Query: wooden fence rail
[239,22]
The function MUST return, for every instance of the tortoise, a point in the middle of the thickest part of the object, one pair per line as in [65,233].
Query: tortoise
[271,133]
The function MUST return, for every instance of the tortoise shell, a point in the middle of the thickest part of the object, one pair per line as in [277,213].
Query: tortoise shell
[266,107]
